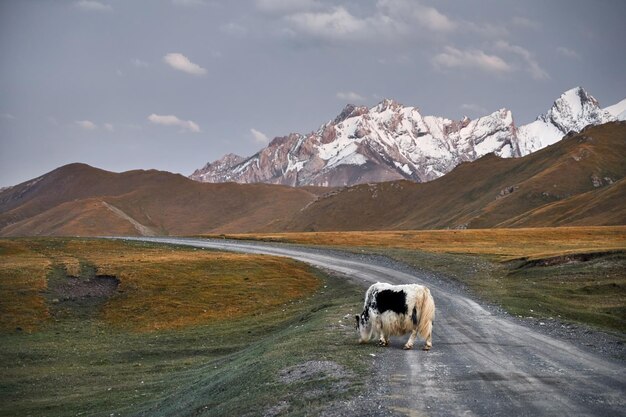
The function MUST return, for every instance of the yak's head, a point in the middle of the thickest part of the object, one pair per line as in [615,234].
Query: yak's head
[364,326]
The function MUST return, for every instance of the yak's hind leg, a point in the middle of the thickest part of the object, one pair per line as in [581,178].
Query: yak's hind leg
[409,343]
[429,338]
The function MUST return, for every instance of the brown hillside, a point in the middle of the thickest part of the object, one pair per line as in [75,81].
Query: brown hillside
[583,170]
[578,181]
[601,207]
[81,200]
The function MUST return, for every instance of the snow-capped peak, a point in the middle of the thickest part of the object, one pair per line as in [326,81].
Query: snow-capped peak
[572,111]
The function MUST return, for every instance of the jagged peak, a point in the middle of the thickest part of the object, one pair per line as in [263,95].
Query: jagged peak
[385,104]
[576,96]
[226,161]
[280,140]
[351,110]
[574,109]
[231,155]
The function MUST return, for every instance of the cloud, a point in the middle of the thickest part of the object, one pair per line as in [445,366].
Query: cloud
[337,23]
[86,124]
[171,120]
[350,96]
[285,6]
[529,63]
[417,19]
[486,30]
[182,63]
[7,116]
[259,136]
[412,12]
[92,6]
[567,52]
[390,21]
[432,19]
[471,58]
[109,127]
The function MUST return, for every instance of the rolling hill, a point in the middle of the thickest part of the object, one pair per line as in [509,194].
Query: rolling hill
[78,199]
[579,180]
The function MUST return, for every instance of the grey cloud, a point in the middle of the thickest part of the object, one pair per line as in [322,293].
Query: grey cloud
[528,61]
[471,58]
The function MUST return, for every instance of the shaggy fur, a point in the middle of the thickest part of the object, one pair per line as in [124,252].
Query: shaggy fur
[394,310]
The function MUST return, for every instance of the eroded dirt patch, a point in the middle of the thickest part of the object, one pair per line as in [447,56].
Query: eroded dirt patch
[74,288]
[68,295]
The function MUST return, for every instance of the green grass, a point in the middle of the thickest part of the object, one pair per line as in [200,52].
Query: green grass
[591,290]
[85,364]
[247,381]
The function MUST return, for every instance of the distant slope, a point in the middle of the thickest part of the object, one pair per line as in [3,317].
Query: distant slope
[577,181]
[81,200]
[601,207]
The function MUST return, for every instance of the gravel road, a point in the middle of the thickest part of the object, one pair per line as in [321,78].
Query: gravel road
[481,364]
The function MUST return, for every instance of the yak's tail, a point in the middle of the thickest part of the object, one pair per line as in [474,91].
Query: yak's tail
[427,315]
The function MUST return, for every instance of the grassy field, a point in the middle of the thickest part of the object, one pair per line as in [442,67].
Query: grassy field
[498,244]
[92,327]
[573,273]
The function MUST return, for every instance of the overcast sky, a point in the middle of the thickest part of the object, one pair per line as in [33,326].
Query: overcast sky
[173,84]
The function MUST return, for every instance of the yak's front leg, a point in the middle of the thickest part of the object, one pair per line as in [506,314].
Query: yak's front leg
[384,339]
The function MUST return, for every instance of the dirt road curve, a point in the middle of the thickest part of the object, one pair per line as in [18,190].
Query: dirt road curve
[481,364]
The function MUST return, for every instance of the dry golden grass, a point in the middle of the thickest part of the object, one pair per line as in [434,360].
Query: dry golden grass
[161,287]
[22,278]
[502,244]
[590,292]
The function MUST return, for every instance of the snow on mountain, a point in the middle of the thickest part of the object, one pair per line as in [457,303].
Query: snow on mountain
[572,111]
[390,141]
[618,110]
[218,171]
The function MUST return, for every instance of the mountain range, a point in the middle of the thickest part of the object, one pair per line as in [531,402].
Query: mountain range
[390,141]
[579,180]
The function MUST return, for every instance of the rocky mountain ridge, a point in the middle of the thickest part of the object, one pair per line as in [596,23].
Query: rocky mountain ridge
[390,141]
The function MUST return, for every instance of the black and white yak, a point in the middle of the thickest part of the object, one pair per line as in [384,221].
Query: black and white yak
[397,310]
